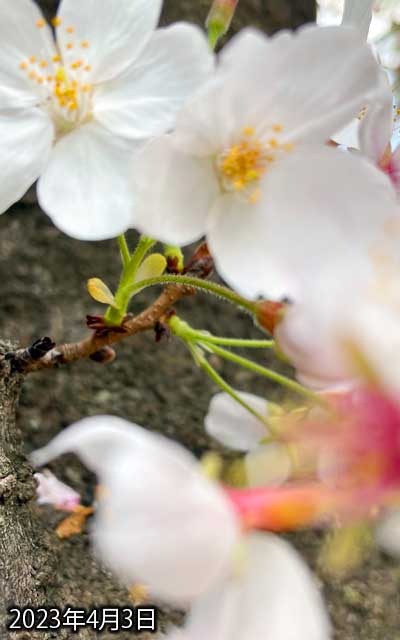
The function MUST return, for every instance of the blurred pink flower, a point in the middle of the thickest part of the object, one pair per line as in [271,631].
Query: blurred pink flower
[52,491]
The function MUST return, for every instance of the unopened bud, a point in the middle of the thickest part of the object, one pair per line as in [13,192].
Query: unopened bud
[219,19]
[174,258]
[269,314]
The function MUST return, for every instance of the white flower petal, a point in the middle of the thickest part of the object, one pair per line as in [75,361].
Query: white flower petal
[358,14]
[349,136]
[26,139]
[346,325]
[376,127]
[232,425]
[143,101]
[174,193]
[52,491]
[85,188]
[161,522]
[298,96]
[308,340]
[267,466]
[273,596]
[388,533]
[336,205]
[116,30]
[20,38]
[207,122]
[248,44]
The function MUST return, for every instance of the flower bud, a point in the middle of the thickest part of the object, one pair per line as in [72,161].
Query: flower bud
[220,18]
[269,314]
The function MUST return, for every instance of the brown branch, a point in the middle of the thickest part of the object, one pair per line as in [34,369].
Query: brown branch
[98,340]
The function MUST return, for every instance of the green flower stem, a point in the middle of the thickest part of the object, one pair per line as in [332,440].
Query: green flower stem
[214,34]
[212,373]
[142,248]
[124,250]
[203,285]
[267,373]
[114,315]
[229,342]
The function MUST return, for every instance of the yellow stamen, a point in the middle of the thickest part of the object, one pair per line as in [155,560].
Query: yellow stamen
[32,75]
[56,22]
[23,65]
[243,165]
[40,24]
[248,131]
[61,76]
[87,68]
[32,59]
[70,29]
[56,59]
[85,44]
[70,45]
[43,64]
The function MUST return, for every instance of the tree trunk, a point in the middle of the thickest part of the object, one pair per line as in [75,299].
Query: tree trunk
[27,552]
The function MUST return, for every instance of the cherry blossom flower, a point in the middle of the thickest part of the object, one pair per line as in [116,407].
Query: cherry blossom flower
[358,446]
[234,427]
[358,14]
[348,459]
[358,455]
[75,109]
[378,136]
[270,595]
[163,523]
[160,521]
[375,133]
[346,327]
[52,491]
[227,171]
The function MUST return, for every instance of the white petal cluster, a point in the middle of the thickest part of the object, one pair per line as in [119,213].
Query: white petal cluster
[74,109]
[266,464]
[248,166]
[161,522]
[155,501]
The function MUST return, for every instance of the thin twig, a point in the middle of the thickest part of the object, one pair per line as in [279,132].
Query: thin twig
[68,353]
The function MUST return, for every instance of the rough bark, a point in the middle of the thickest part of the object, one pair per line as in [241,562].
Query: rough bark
[26,553]
[33,570]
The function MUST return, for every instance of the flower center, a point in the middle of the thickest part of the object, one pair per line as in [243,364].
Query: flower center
[63,89]
[243,165]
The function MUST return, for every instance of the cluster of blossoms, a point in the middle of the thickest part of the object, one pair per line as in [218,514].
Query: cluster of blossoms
[281,153]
